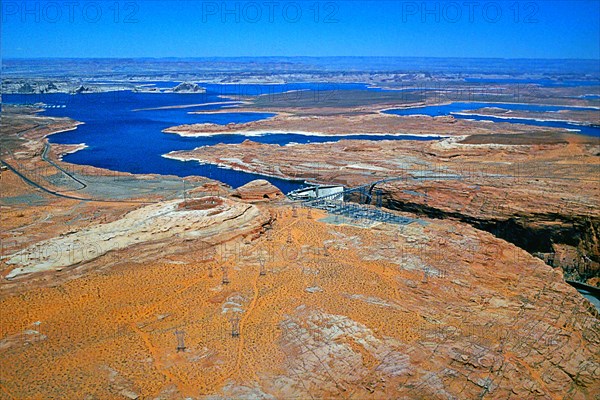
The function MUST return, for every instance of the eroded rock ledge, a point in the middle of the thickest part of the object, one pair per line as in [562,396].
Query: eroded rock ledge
[210,217]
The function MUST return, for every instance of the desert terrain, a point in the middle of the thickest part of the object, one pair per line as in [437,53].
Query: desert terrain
[117,285]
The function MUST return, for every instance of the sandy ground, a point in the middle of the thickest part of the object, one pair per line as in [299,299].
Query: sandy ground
[340,310]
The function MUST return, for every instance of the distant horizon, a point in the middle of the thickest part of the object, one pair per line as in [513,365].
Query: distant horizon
[297,56]
[282,65]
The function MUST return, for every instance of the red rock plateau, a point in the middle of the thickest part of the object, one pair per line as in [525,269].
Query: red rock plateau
[538,190]
[118,286]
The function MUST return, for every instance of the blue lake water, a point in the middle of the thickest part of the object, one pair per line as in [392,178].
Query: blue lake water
[454,108]
[121,139]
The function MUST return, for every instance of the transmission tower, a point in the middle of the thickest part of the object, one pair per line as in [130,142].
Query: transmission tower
[184,196]
[263,271]
[225,274]
[235,325]
[180,344]
[315,280]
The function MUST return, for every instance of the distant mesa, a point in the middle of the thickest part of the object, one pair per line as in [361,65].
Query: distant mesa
[50,88]
[26,88]
[188,87]
[257,190]
[82,89]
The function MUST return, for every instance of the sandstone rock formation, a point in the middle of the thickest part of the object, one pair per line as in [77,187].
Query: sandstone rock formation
[258,190]
[197,219]
[188,87]
[495,182]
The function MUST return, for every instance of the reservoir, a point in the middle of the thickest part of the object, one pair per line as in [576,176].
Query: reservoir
[123,129]
[456,109]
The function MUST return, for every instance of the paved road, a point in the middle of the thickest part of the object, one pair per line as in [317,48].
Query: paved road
[45,158]
[66,196]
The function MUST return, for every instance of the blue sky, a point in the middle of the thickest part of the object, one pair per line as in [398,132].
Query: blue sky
[148,28]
